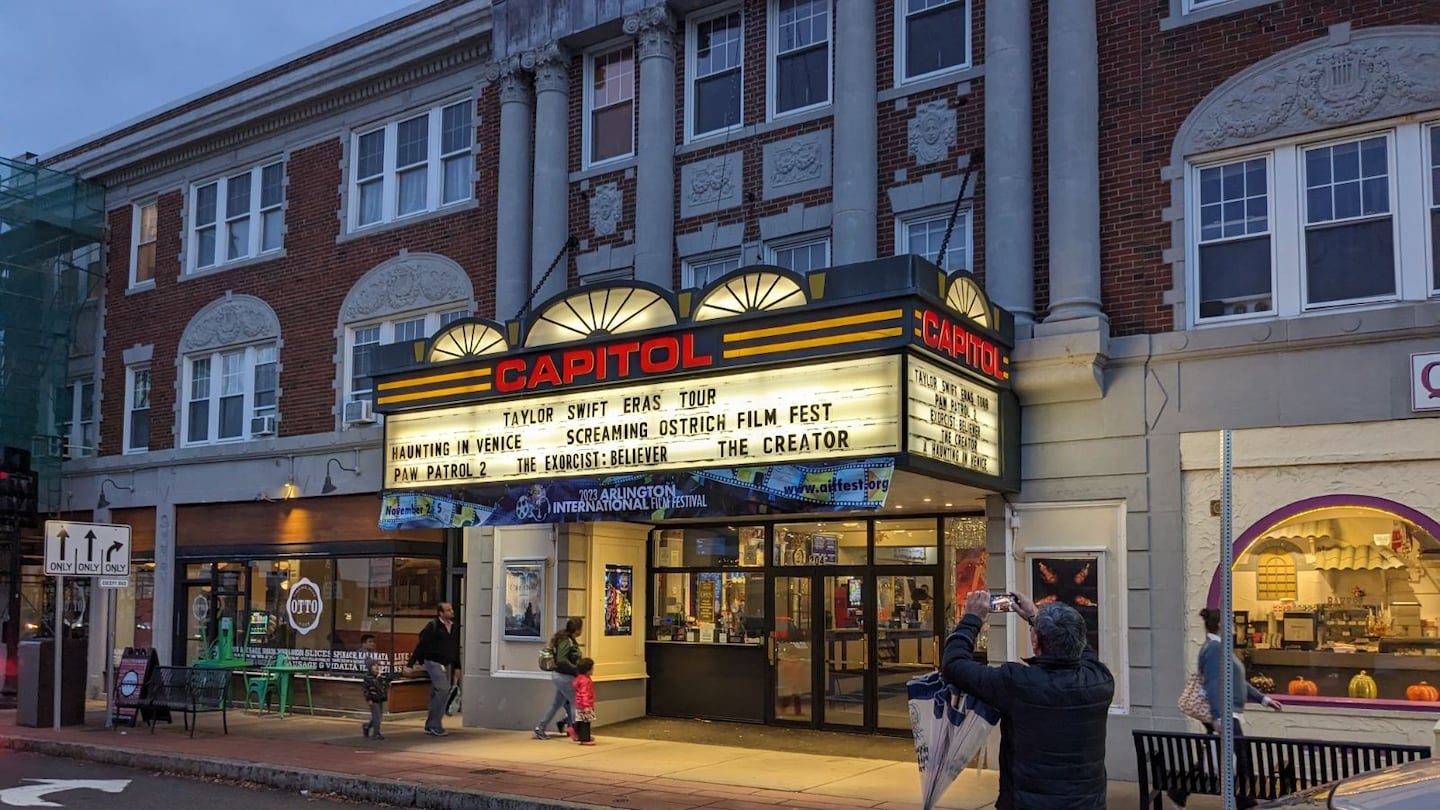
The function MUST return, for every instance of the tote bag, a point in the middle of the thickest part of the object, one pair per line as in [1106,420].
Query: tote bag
[1192,701]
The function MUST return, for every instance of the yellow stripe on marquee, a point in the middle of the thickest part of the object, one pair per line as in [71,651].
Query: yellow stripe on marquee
[810,343]
[810,326]
[435,378]
[438,392]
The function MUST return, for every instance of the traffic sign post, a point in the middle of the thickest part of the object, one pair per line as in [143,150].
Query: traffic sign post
[99,550]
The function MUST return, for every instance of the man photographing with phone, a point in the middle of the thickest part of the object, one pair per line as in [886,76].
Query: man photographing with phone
[1053,708]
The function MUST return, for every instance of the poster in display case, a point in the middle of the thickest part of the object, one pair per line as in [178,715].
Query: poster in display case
[619,590]
[1073,579]
[524,600]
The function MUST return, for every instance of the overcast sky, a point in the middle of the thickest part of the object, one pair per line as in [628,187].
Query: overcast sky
[74,68]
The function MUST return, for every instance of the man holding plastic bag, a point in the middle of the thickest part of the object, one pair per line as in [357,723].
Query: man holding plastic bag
[1053,708]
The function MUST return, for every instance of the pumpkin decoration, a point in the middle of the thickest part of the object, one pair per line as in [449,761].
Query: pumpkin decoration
[1263,682]
[1301,686]
[1363,686]
[1422,691]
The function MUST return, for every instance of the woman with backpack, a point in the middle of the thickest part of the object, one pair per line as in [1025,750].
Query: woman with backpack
[565,647]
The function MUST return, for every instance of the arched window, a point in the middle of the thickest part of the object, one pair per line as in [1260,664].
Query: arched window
[1276,576]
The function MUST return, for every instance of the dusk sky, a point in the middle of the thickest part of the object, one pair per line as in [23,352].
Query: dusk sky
[74,68]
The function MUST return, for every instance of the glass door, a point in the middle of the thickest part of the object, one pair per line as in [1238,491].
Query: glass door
[792,652]
[848,601]
[198,612]
[905,643]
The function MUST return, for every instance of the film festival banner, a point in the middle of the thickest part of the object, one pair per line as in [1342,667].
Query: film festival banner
[838,487]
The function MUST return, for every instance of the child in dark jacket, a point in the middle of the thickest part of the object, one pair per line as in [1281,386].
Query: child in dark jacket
[377,692]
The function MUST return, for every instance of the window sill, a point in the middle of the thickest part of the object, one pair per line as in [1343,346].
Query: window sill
[734,136]
[238,264]
[624,164]
[1179,18]
[368,231]
[136,289]
[907,89]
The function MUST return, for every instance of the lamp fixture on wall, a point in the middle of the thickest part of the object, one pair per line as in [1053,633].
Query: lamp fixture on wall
[329,485]
[103,502]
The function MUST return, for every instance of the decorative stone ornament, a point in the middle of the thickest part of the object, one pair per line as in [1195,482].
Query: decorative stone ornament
[408,282]
[513,79]
[551,66]
[932,132]
[228,321]
[654,30]
[607,205]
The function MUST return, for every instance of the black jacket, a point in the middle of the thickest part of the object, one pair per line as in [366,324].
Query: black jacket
[1053,715]
[438,644]
[377,687]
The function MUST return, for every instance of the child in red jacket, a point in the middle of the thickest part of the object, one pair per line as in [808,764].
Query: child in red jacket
[584,701]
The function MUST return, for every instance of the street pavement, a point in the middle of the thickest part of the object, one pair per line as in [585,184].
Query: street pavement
[31,780]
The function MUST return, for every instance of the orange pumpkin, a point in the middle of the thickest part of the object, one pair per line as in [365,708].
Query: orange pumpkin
[1422,691]
[1300,686]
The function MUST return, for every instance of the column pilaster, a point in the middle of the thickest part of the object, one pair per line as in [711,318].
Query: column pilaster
[654,31]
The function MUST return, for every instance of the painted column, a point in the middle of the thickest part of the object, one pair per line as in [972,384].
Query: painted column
[854,219]
[512,209]
[1009,197]
[654,29]
[162,625]
[1074,132]
[551,202]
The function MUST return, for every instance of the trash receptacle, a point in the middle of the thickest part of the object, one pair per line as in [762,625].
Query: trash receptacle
[35,701]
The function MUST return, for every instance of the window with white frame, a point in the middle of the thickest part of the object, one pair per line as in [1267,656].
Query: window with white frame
[411,166]
[923,233]
[224,389]
[699,272]
[75,418]
[1253,255]
[609,105]
[1434,188]
[137,408]
[799,55]
[715,64]
[932,37]
[365,340]
[143,233]
[236,217]
[801,256]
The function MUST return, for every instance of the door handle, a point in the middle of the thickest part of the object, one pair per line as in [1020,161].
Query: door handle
[864,651]
[771,649]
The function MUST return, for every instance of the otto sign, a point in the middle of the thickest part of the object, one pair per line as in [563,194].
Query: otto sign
[1425,381]
[304,606]
[86,549]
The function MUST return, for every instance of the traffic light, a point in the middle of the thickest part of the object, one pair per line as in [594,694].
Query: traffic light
[19,488]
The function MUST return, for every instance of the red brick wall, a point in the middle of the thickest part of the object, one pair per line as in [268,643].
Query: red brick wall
[1150,80]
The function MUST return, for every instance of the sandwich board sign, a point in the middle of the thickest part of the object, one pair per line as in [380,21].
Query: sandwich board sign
[86,549]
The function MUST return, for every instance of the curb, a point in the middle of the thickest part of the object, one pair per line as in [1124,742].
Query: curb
[375,790]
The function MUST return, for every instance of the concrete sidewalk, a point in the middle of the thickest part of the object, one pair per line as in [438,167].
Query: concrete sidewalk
[506,769]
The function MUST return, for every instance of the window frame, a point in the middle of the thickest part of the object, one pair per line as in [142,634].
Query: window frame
[72,429]
[131,374]
[435,320]
[588,109]
[798,241]
[1392,199]
[1274,217]
[389,176]
[253,217]
[137,210]
[1430,146]
[904,221]
[216,392]
[772,60]
[692,40]
[690,263]
[901,67]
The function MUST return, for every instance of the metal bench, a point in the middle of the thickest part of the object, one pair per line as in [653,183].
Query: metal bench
[1189,762]
[190,691]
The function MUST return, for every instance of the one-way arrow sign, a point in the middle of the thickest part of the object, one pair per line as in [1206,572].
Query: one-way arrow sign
[86,549]
[33,795]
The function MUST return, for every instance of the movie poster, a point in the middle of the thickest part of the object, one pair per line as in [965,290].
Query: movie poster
[619,582]
[524,600]
[1073,580]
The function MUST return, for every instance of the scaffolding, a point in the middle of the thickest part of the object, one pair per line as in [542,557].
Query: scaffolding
[52,228]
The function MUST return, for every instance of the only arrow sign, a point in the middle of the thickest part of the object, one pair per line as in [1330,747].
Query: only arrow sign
[34,795]
[114,547]
[90,554]
[63,536]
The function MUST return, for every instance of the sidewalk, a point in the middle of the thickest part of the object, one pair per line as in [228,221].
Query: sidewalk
[505,769]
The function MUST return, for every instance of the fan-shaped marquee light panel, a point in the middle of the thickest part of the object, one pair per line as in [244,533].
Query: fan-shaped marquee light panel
[607,311]
[966,298]
[758,291]
[466,339]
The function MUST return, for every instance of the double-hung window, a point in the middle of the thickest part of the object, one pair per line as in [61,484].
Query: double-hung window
[700,272]
[932,37]
[75,417]
[237,217]
[366,339]
[411,166]
[144,232]
[137,409]
[609,105]
[224,389]
[1349,233]
[1433,142]
[799,55]
[716,64]
[801,256]
[922,234]
[1235,236]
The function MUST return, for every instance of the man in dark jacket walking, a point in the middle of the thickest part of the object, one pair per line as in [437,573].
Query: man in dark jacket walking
[1053,708]
[438,652]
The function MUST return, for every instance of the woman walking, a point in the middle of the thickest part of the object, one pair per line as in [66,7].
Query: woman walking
[566,645]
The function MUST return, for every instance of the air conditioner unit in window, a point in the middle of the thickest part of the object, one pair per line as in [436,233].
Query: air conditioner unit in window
[359,412]
[262,425]
[58,447]
[1239,305]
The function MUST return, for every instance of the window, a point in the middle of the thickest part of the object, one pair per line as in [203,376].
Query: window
[412,166]
[800,55]
[1309,226]
[1275,577]
[366,339]
[932,36]
[237,217]
[610,105]
[225,388]
[75,418]
[137,408]
[702,271]
[802,257]
[922,235]
[143,235]
[716,82]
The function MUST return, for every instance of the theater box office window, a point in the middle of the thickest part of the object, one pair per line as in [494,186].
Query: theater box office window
[695,472]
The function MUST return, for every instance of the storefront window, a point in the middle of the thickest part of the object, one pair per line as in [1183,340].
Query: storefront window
[1341,603]
[825,543]
[135,609]
[906,542]
[709,607]
[710,547]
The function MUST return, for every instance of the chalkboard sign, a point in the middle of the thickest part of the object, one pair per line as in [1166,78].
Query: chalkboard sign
[132,679]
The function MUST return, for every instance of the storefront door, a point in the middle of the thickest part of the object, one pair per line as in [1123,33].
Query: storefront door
[211,593]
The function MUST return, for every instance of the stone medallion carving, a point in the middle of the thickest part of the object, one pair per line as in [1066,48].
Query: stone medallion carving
[932,132]
[711,185]
[405,283]
[797,164]
[229,321]
[607,205]
[1379,73]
